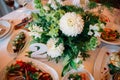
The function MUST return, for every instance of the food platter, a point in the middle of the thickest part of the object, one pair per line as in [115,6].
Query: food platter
[10,47]
[112,30]
[101,70]
[5,28]
[116,42]
[79,70]
[43,67]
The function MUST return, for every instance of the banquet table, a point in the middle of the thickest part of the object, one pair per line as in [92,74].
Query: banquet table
[14,18]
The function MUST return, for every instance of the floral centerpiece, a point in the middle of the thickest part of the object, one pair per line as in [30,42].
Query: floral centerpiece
[68,31]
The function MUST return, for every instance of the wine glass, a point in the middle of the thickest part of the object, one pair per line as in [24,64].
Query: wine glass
[10,3]
[23,2]
[80,3]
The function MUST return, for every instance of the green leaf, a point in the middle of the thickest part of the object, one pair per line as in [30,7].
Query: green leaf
[92,4]
[113,68]
[66,68]
[66,60]
[34,16]
[73,64]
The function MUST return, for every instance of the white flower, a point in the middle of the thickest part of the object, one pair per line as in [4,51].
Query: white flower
[53,4]
[78,62]
[97,34]
[35,28]
[46,8]
[71,24]
[35,34]
[90,33]
[54,51]
[96,28]
[35,31]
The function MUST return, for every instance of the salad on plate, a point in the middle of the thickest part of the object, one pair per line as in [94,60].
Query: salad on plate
[18,42]
[24,68]
[110,36]
[79,74]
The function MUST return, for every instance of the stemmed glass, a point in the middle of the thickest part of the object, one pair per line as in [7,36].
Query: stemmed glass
[10,3]
[23,2]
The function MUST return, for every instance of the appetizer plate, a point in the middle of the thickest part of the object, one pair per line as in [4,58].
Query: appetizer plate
[113,27]
[101,70]
[5,28]
[39,65]
[10,44]
[116,42]
[79,70]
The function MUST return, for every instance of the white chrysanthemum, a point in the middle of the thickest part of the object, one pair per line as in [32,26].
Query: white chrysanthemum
[54,51]
[71,24]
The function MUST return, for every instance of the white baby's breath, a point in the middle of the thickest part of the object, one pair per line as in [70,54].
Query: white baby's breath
[35,28]
[71,24]
[95,29]
[90,33]
[52,4]
[35,34]
[46,8]
[53,50]
[78,62]
[35,31]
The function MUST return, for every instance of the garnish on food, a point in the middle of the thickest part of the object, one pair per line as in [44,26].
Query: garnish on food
[110,35]
[19,42]
[77,76]
[114,65]
[26,71]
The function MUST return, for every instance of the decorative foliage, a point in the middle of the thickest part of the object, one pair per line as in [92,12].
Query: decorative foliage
[66,31]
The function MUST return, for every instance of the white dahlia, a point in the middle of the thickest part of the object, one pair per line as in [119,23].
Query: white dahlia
[53,50]
[71,24]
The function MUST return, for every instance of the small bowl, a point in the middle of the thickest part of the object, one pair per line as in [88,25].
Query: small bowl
[79,70]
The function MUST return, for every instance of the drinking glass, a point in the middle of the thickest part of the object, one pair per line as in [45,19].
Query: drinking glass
[10,3]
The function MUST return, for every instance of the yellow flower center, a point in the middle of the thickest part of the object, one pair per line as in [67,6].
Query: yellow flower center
[70,22]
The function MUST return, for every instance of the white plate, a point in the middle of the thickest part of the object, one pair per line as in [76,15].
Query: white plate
[116,42]
[113,27]
[80,70]
[7,26]
[38,64]
[101,64]
[9,47]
